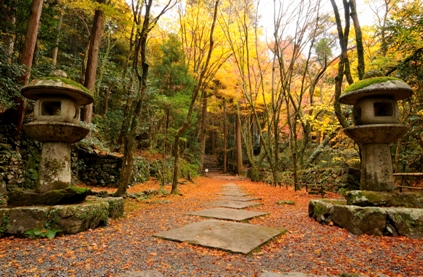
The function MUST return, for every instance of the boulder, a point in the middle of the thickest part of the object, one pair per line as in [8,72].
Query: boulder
[70,195]
[369,220]
[116,207]
[76,218]
[406,222]
[360,220]
[22,220]
[384,199]
[68,219]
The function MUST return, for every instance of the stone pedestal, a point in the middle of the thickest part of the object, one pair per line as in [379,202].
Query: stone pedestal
[55,167]
[376,168]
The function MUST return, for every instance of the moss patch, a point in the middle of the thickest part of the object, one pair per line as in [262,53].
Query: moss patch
[66,81]
[367,82]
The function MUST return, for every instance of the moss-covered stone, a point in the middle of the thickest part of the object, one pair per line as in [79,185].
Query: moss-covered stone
[68,195]
[80,217]
[116,206]
[285,202]
[321,211]
[406,222]
[359,220]
[367,82]
[66,81]
[384,199]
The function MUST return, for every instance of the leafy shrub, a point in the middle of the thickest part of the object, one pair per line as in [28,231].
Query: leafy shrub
[141,171]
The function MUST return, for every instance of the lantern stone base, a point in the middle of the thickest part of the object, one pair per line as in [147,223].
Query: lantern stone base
[67,219]
[390,221]
[55,167]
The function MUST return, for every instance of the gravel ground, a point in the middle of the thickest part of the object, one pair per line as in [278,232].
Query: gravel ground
[128,245]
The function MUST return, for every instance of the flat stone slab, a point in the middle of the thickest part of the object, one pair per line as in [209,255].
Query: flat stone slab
[230,214]
[235,204]
[289,274]
[234,193]
[240,198]
[145,273]
[225,235]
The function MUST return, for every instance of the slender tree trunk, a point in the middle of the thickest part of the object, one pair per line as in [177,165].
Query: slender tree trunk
[9,40]
[26,59]
[197,88]
[225,137]
[203,130]
[92,61]
[343,65]
[56,43]
[238,145]
[359,40]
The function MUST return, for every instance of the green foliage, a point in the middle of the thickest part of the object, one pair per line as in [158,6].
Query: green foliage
[187,169]
[163,170]
[32,163]
[9,76]
[42,233]
[4,224]
[141,171]
[108,127]
[49,230]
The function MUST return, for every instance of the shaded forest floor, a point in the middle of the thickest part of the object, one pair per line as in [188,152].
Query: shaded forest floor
[127,244]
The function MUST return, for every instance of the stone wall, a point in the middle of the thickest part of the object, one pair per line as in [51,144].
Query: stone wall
[96,169]
[103,169]
[16,160]
[19,167]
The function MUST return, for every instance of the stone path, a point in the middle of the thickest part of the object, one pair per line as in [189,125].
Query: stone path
[223,234]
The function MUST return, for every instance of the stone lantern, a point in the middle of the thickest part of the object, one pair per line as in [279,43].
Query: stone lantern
[57,125]
[376,116]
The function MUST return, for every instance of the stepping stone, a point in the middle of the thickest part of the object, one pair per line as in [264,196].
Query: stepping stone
[234,193]
[235,204]
[289,274]
[239,198]
[230,214]
[145,273]
[225,235]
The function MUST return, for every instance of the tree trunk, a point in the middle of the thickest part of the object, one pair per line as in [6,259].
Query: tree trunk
[238,145]
[26,59]
[359,40]
[9,40]
[140,66]
[56,44]
[224,138]
[343,65]
[203,130]
[194,95]
[92,61]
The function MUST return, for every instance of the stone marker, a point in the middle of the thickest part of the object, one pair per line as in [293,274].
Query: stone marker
[230,214]
[235,204]
[229,236]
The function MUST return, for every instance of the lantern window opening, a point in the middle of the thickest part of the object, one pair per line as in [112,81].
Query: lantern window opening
[51,107]
[383,109]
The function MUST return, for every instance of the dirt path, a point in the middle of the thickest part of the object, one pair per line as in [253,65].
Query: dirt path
[128,244]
